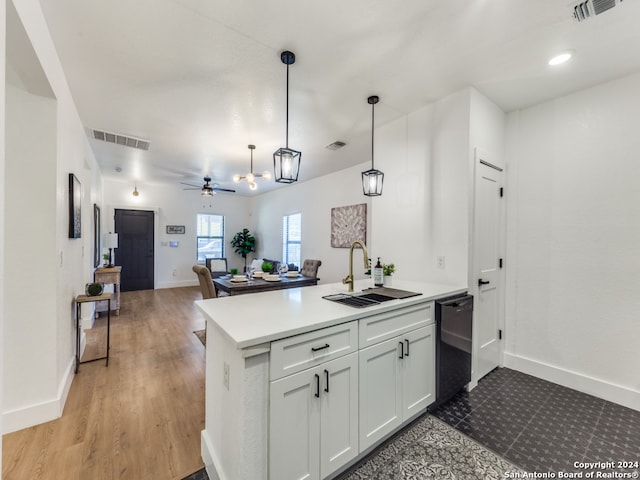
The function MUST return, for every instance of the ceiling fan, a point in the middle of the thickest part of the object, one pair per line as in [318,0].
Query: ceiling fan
[207,190]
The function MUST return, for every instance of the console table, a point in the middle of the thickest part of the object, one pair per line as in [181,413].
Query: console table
[109,275]
[80,299]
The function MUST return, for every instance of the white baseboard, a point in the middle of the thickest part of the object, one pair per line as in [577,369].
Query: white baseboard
[24,417]
[211,462]
[177,284]
[593,386]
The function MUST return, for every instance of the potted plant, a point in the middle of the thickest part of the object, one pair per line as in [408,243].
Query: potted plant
[267,267]
[105,257]
[93,289]
[387,271]
[233,271]
[244,243]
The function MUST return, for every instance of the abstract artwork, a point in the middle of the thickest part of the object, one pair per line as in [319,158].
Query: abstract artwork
[348,224]
[75,204]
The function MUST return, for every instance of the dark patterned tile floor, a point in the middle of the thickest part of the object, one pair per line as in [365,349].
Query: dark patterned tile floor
[540,426]
[543,427]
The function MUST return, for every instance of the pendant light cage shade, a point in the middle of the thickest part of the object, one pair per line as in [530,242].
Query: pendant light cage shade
[372,181]
[286,165]
[286,161]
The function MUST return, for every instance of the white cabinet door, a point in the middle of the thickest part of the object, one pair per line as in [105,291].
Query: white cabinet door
[313,427]
[418,371]
[380,391]
[294,427]
[339,413]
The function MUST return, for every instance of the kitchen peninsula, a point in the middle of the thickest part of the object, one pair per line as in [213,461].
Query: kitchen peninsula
[300,387]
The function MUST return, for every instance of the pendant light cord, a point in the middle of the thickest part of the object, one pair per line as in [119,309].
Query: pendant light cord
[372,132]
[287,121]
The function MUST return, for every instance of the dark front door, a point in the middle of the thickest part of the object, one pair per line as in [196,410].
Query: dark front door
[135,249]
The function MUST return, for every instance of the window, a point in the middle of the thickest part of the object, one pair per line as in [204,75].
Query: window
[209,237]
[292,236]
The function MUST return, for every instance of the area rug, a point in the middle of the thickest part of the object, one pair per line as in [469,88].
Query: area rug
[429,448]
[202,335]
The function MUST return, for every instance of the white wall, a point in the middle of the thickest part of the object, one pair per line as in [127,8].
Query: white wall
[2,182]
[39,341]
[175,206]
[423,211]
[573,236]
[314,199]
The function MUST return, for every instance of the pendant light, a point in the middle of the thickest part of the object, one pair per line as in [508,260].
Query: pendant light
[286,161]
[372,179]
[251,177]
[135,191]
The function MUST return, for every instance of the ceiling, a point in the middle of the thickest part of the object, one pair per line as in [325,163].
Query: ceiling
[202,79]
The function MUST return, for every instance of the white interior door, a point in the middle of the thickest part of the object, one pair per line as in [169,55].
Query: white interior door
[487,278]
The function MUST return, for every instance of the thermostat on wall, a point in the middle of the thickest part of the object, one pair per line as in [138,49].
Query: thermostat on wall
[173,244]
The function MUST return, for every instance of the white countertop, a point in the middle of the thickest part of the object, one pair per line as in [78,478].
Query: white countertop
[258,318]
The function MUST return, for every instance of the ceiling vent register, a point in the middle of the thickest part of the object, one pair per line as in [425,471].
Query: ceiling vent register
[590,8]
[337,145]
[120,139]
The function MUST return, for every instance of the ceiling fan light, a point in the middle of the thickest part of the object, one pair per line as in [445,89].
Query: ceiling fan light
[253,185]
[237,178]
[250,177]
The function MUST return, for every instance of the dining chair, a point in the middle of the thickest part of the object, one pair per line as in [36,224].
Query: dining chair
[310,268]
[206,285]
[217,266]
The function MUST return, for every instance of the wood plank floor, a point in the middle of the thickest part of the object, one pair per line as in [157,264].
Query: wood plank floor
[139,418]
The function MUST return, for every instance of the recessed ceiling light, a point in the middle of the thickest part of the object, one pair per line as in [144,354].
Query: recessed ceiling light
[560,58]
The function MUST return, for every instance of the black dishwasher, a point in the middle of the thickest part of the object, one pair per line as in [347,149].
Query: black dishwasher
[454,316]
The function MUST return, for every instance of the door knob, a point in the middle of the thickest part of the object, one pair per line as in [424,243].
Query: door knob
[483,282]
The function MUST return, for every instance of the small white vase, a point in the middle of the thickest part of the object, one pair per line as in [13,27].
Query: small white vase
[387,280]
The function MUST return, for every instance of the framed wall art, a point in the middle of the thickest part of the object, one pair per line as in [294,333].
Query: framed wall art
[75,207]
[96,235]
[175,229]
[348,224]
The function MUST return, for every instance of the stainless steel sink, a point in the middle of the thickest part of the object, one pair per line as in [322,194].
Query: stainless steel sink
[363,299]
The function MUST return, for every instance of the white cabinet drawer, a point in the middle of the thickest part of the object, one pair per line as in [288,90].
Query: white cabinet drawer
[294,354]
[384,326]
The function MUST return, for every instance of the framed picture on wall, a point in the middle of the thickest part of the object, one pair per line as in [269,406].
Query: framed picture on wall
[75,204]
[179,229]
[96,235]
[348,224]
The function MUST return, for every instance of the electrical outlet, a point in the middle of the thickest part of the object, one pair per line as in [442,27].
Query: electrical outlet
[225,375]
[440,262]
[174,273]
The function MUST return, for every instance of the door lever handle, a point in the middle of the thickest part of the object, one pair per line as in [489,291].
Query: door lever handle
[483,282]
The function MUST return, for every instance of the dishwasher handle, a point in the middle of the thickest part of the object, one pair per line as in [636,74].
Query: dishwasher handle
[459,303]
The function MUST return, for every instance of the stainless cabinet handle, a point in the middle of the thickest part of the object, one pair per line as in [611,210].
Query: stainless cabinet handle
[407,342]
[317,349]
[401,350]
[326,374]
[317,385]
[483,282]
